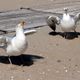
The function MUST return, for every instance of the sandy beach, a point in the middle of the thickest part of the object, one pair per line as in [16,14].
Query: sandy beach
[45,4]
[49,56]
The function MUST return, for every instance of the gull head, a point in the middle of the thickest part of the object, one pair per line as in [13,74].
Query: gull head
[21,24]
[66,10]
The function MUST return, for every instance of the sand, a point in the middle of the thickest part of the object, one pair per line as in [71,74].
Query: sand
[49,56]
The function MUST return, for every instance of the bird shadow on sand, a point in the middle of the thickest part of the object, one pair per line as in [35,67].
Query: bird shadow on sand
[25,60]
[71,35]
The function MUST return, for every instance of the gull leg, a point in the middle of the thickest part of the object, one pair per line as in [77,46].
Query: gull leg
[65,35]
[9,59]
[76,34]
[22,61]
[74,30]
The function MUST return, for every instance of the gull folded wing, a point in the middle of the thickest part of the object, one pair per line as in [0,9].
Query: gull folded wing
[77,17]
[4,40]
[52,21]
[29,31]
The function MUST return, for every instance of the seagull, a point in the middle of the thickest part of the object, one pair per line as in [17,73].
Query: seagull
[16,45]
[67,22]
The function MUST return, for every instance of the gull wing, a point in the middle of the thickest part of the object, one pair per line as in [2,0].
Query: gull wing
[4,40]
[77,17]
[52,21]
[29,31]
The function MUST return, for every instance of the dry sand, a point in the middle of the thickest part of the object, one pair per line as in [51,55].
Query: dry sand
[45,4]
[48,57]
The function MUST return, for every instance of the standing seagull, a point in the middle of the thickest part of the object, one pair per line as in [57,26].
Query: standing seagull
[17,45]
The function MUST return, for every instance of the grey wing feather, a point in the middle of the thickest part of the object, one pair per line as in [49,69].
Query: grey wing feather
[77,17]
[30,31]
[4,40]
[52,21]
